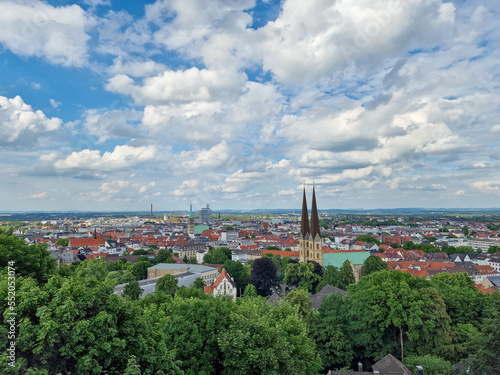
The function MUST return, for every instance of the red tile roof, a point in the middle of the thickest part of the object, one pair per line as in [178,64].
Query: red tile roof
[293,254]
[86,242]
[222,275]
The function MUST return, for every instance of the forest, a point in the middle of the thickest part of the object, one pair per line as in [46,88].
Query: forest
[68,320]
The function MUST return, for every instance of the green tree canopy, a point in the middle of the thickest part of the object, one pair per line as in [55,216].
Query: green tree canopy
[77,325]
[62,241]
[193,330]
[300,300]
[132,290]
[368,238]
[487,360]
[432,365]
[301,275]
[167,284]
[28,260]
[332,334]
[235,270]
[199,283]
[330,277]
[493,249]
[217,256]
[140,269]
[250,291]
[396,312]
[373,264]
[163,255]
[265,339]
[346,275]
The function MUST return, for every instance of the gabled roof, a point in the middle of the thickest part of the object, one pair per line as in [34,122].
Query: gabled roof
[275,299]
[328,289]
[391,365]
[223,275]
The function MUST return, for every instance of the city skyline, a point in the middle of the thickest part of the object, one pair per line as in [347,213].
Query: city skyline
[111,105]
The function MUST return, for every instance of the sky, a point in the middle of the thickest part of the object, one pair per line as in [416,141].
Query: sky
[113,105]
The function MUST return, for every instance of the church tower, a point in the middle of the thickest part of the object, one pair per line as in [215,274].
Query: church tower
[315,242]
[304,231]
[310,242]
[190,226]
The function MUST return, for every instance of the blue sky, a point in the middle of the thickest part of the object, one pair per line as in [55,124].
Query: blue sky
[113,105]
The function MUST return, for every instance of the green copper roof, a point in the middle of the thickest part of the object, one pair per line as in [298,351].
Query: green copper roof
[337,259]
[200,228]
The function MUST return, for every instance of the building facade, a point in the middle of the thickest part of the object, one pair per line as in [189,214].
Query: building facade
[310,242]
[190,226]
[224,286]
[206,214]
[207,273]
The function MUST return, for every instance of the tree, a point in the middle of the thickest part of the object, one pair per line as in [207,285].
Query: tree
[199,283]
[318,270]
[28,260]
[192,261]
[368,238]
[250,291]
[373,264]
[301,275]
[193,329]
[331,332]
[78,325]
[493,249]
[330,277]
[132,290]
[235,270]
[191,292]
[465,231]
[217,256]
[140,269]
[272,247]
[163,255]
[143,252]
[300,300]
[487,360]
[62,241]
[167,284]
[464,303]
[133,368]
[264,339]
[264,276]
[399,313]
[346,275]
[432,365]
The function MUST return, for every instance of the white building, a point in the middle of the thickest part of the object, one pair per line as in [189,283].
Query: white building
[223,286]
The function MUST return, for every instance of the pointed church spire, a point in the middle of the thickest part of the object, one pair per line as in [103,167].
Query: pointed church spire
[190,210]
[304,225]
[314,217]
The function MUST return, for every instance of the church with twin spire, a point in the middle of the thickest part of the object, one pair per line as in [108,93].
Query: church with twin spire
[310,242]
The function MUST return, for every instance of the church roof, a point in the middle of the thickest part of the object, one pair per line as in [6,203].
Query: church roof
[304,225]
[314,217]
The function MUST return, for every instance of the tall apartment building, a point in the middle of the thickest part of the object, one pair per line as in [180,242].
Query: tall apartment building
[206,214]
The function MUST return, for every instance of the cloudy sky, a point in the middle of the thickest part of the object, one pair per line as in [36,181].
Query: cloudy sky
[113,105]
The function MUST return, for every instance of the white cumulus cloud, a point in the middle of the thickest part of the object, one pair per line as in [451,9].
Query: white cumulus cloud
[35,28]
[20,124]
[122,157]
